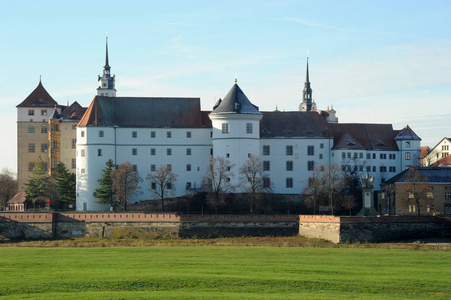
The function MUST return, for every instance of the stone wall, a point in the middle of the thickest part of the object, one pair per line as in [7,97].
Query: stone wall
[371,229]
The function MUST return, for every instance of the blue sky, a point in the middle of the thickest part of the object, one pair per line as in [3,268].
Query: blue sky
[374,61]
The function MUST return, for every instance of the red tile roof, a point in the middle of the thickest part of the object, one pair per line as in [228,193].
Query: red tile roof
[39,97]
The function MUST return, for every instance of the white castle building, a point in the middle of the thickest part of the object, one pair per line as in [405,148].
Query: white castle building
[150,132]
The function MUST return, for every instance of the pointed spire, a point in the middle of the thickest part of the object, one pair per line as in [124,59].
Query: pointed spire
[106,51]
[306,104]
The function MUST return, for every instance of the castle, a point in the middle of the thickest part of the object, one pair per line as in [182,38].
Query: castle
[150,132]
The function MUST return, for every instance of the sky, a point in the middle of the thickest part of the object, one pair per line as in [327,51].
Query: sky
[373,61]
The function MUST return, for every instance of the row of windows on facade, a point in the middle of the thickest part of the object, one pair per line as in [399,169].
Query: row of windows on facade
[153,134]
[45,146]
[226,128]
[288,165]
[360,168]
[32,164]
[153,151]
[44,128]
[43,112]
[289,150]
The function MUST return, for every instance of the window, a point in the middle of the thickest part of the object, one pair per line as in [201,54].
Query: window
[169,185]
[99,152]
[82,153]
[74,126]
[43,112]
[412,208]
[54,162]
[134,134]
[153,134]
[74,143]
[30,166]
[152,168]
[407,144]
[55,144]
[360,168]
[134,151]
[82,171]
[188,151]
[392,156]
[321,146]
[188,134]
[374,155]
[31,148]
[448,196]
[227,155]
[168,134]
[266,182]
[383,168]
[169,151]
[343,155]
[383,156]
[82,133]
[320,156]
[368,156]
[152,151]
[392,169]
[44,129]
[188,185]
[265,149]
[266,165]
[374,168]
[74,163]
[407,155]
[154,186]
[248,127]
[44,147]
[368,168]
[135,168]
[31,129]
[188,168]
[289,165]
[349,155]
[289,182]
[289,150]
[55,127]
[310,150]
[361,155]
[445,147]
[355,155]
[169,167]
[101,133]
[430,195]
[225,127]
[310,165]
[31,112]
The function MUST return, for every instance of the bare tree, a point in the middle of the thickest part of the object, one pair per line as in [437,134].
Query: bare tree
[389,193]
[314,190]
[417,188]
[8,186]
[334,180]
[162,182]
[252,180]
[349,202]
[125,182]
[217,180]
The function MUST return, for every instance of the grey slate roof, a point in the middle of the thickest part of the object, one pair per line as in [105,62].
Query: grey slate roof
[144,112]
[433,174]
[364,136]
[294,124]
[235,102]
[407,134]
[55,115]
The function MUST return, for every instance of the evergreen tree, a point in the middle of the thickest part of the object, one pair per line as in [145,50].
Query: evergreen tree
[65,184]
[105,192]
[39,185]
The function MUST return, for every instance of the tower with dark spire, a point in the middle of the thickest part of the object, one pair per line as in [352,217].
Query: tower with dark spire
[307,101]
[107,83]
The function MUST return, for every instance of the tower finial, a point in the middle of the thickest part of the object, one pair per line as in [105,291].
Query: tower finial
[307,54]
[39,78]
[236,76]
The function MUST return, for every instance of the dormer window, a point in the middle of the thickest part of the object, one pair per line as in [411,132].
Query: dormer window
[407,144]
[104,85]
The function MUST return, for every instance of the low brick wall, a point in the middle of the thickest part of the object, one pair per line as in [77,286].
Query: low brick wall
[142,225]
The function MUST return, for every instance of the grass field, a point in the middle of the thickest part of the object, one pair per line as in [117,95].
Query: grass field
[214,272]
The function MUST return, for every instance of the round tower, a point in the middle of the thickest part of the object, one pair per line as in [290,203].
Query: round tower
[236,129]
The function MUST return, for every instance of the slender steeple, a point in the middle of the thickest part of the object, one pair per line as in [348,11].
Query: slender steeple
[307,100]
[106,81]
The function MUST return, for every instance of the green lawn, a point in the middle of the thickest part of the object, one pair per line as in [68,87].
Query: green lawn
[223,272]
